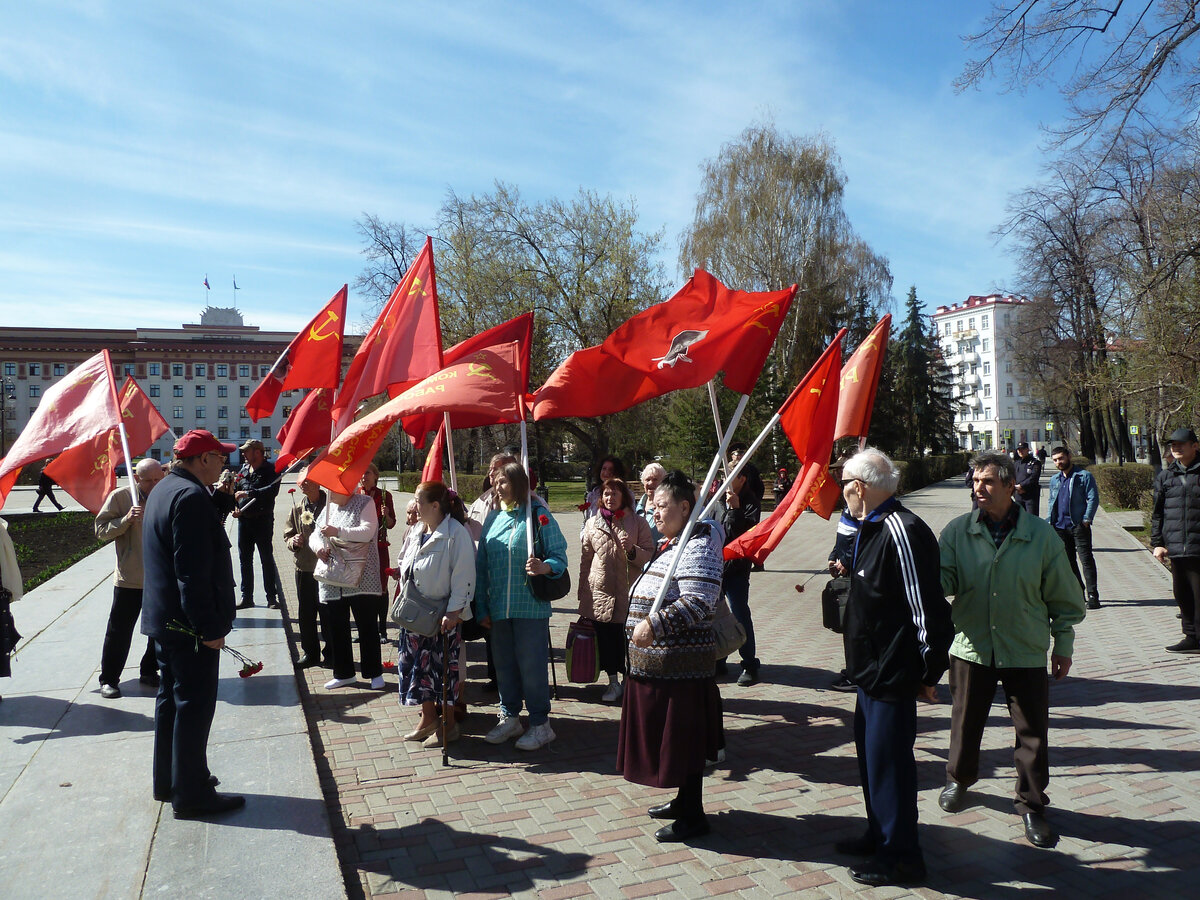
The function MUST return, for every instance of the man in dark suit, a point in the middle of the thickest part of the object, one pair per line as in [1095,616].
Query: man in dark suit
[188,585]
[256,522]
[1029,476]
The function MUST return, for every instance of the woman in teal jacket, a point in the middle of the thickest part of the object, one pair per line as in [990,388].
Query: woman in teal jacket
[519,622]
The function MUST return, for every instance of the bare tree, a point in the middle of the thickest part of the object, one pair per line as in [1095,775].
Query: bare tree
[1121,63]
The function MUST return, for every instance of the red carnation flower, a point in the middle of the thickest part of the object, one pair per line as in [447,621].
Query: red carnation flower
[582,507]
[544,519]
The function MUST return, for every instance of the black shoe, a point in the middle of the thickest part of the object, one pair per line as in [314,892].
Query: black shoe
[1189,644]
[220,804]
[150,680]
[748,677]
[110,692]
[683,830]
[1093,604]
[663,811]
[165,796]
[878,873]
[245,604]
[1038,831]
[953,797]
[843,684]
[864,845]
[272,604]
[307,662]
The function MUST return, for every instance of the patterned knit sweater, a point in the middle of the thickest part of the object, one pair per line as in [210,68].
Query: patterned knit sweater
[683,644]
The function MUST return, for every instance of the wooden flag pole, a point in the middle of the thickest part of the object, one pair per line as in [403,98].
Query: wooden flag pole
[695,513]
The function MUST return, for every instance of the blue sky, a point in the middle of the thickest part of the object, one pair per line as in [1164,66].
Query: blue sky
[144,145]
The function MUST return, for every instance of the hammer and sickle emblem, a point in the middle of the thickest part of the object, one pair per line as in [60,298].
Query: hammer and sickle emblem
[315,333]
[766,309]
[482,370]
[418,288]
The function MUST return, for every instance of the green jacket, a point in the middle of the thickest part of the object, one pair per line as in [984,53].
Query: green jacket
[1009,603]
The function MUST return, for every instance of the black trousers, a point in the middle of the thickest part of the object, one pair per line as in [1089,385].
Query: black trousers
[310,615]
[1078,542]
[736,585]
[610,644]
[252,534]
[183,714]
[884,734]
[118,636]
[341,647]
[1185,580]
[1027,692]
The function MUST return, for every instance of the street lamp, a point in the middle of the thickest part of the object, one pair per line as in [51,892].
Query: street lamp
[8,391]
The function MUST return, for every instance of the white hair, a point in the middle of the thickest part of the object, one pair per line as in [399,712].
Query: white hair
[874,468]
[654,469]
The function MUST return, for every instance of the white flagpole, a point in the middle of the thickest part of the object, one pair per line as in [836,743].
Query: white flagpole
[128,462]
[450,451]
[528,500]
[742,462]
[716,411]
[695,516]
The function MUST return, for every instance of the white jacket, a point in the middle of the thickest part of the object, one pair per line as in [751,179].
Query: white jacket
[444,565]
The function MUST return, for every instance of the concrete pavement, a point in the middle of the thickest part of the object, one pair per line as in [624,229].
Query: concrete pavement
[76,817]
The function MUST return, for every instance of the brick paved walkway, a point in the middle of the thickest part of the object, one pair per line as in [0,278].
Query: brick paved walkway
[559,823]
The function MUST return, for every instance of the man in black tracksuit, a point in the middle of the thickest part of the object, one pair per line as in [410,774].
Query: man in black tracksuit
[897,637]
[1175,530]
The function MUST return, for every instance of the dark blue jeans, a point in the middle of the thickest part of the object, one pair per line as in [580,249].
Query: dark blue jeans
[256,533]
[1078,541]
[736,585]
[521,650]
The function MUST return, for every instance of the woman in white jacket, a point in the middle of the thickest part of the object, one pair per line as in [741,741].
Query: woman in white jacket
[442,562]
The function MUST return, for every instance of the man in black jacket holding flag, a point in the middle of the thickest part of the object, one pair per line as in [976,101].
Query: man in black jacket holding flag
[897,635]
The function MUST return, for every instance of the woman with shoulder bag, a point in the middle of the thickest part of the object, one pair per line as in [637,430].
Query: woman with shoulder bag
[520,622]
[344,541]
[440,562]
[385,512]
[671,715]
[616,545]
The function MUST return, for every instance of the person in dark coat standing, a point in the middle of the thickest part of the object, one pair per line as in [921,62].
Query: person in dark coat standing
[897,637]
[188,585]
[256,522]
[1175,530]
[1029,479]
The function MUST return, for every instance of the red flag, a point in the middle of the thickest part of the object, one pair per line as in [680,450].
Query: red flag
[402,347]
[860,381]
[520,330]
[77,409]
[88,471]
[433,459]
[307,428]
[487,383]
[681,343]
[807,418]
[312,360]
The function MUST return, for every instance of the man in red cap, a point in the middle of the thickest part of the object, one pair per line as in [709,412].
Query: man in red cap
[188,607]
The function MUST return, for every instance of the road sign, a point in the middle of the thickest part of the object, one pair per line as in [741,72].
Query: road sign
[1049,426]
[1134,430]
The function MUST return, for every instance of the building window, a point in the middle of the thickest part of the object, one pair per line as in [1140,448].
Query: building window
[61,369]
[178,431]
[176,412]
[984,323]
[986,344]
[974,369]
[155,453]
[1008,366]
[222,390]
[243,371]
[1007,320]
[10,368]
[971,324]
[947,328]
[222,432]
[287,411]
[264,371]
[244,390]
[1008,389]
[987,412]
[222,412]
[201,370]
[1037,434]
[35,369]
[1010,412]
[222,370]
[266,432]
[987,368]
[155,369]
[987,390]
[154,390]
[244,432]
[177,390]
[199,412]
[958,325]
[176,370]
[244,414]
[200,390]
[35,390]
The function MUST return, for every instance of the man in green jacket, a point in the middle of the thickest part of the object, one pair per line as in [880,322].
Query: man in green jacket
[1015,598]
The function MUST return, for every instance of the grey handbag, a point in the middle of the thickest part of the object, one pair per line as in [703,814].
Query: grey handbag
[414,612]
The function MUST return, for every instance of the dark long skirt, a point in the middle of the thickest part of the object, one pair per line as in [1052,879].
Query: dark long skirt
[669,729]
[420,667]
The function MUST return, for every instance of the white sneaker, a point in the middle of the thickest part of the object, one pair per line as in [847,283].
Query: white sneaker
[377,683]
[507,727]
[539,736]
[614,692]
[339,682]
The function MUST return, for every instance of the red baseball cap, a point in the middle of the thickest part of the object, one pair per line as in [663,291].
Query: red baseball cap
[200,441]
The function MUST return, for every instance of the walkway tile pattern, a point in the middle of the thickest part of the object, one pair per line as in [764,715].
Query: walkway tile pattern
[559,823]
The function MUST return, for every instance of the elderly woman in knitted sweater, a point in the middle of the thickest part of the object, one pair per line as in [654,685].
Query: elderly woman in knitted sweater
[671,716]
[616,545]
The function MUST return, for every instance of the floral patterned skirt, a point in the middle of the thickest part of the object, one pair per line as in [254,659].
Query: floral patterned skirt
[421,665]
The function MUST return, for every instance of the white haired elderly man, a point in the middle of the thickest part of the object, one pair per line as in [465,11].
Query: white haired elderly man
[652,477]
[897,633]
